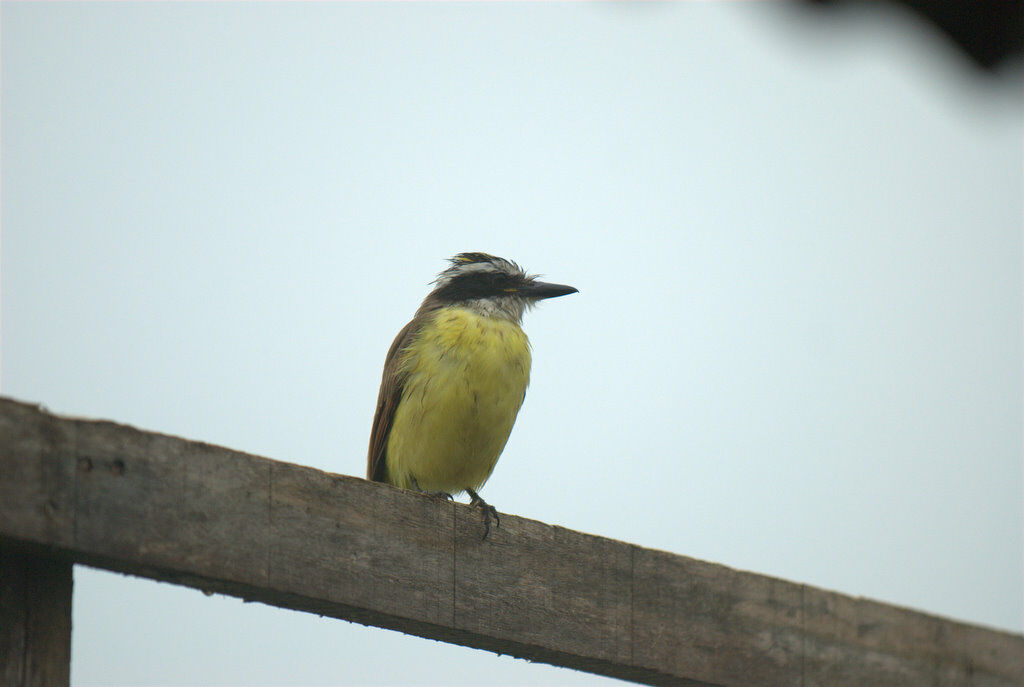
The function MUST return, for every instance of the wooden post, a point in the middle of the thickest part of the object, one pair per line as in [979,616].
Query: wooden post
[35,619]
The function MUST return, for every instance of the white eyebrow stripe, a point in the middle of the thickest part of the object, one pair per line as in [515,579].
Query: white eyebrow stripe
[472,267]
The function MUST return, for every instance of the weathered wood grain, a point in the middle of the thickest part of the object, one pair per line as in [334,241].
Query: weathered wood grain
[35,619]
[115,497]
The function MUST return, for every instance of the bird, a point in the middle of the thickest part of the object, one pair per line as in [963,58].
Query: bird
[454,380]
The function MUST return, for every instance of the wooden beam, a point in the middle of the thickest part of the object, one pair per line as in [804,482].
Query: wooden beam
[35,619]
[186,512]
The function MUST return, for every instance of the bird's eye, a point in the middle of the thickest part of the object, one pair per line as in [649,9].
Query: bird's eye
[510,289]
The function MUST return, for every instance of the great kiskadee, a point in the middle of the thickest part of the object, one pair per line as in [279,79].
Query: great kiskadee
[454,380]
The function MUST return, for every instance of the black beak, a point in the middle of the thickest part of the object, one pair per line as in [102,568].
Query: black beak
[539,290]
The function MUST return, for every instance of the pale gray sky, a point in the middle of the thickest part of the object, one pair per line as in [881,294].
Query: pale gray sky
[797,238]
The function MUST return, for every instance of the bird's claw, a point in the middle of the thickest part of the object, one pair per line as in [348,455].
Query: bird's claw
[486,509]
[436,494]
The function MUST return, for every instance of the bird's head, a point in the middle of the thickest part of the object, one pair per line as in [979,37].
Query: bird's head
[491,286]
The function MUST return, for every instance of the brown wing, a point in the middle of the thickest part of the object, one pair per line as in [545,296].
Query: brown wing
[391,387]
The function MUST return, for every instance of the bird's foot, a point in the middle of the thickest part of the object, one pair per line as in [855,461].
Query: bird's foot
[487,509]
[436,494]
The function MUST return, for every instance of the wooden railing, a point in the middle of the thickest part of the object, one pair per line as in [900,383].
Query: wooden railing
[114,497]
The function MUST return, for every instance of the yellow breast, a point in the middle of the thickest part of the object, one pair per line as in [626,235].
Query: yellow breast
[467,376]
